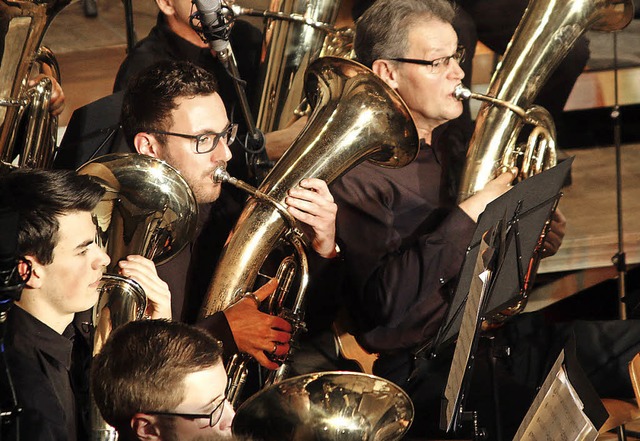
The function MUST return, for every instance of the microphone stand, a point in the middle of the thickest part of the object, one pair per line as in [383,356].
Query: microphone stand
[619,259]
[255,145]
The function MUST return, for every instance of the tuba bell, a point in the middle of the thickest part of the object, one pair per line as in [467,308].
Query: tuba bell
[148,209]
[355,117]
[327,406]
[28,129]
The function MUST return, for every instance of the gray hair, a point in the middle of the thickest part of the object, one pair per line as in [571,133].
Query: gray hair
[382,32]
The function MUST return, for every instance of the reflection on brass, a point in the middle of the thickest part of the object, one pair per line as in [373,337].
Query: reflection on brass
[327,406]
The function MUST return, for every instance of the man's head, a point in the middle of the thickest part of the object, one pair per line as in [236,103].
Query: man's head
[176,14]
[165,108]
[56,234]
[151,374]
[394,37]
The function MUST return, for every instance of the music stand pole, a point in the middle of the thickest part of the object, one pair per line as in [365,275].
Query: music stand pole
[128,17]
[619,259]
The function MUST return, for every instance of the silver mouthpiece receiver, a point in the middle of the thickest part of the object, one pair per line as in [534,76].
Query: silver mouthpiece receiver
[461,92]
[220,175]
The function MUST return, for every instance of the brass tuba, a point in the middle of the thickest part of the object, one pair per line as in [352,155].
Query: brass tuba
[148,209]
[28,129]
[296,33]
[545,34]
[355,117]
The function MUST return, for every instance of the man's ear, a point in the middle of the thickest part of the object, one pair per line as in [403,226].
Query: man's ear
[146,144]
[386,70]
[37,272]
[145,427]
[166,7]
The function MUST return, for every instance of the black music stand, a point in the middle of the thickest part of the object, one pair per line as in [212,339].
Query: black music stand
[515,222]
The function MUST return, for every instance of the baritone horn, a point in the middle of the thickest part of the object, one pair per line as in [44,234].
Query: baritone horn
[149,210]
[28,129]
[542,39]
[355,117]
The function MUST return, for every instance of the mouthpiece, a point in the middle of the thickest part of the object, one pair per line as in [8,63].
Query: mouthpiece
[220,175]
[461,92]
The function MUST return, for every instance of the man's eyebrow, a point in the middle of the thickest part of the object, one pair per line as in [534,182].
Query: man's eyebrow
[85,244]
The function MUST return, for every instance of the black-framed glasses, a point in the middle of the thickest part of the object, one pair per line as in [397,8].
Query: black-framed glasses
[437,65]
[213,417]
[208,141]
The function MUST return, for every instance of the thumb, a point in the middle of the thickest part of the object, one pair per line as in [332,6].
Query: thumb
[508,175]
[266,290]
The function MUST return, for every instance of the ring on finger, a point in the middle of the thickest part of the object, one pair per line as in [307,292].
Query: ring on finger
[275,348]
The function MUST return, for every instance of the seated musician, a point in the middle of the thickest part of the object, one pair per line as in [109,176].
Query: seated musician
[172,111]
[398,285]
[46,354]
[161,380]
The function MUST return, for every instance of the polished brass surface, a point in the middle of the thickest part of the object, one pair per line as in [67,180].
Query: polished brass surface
[355,117]
[293,37]
[545,34]
[149,210]
[327,406]
[28,129]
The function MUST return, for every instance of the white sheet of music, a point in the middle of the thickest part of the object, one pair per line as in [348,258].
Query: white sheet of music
[557,412]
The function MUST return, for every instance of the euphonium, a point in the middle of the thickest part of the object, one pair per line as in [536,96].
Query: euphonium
[542,39]
[148,209]
[355,117]
[545,34]
[28,129]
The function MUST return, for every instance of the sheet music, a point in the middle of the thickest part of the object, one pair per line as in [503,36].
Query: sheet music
[557,411]
[470,318]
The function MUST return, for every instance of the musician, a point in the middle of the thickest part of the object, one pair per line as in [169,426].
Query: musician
[173,38]
[165,109]
[46,354]
[399,284]
[152,374]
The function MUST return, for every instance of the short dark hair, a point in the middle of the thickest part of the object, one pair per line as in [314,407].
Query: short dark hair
[151,95]
[382,31]
[142,366]
[40,197]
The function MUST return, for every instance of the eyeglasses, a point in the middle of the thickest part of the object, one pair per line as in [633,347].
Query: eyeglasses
[439,64]
[213,417]
[208,141]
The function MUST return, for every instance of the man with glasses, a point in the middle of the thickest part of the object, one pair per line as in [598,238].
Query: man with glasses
[398,285]
[161,380]
[172,111]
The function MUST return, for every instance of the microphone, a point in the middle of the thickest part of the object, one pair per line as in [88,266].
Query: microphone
[214,28]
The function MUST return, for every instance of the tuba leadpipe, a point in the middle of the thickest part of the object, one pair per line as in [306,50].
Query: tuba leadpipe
[547,31]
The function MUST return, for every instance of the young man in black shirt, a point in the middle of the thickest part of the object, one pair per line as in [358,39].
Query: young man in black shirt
[46,355]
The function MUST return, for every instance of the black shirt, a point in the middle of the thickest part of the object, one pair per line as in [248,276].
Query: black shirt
[405,241]
[50,377]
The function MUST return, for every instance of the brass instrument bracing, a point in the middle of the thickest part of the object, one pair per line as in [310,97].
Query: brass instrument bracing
[355,117]
[28,129]
[149,210]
